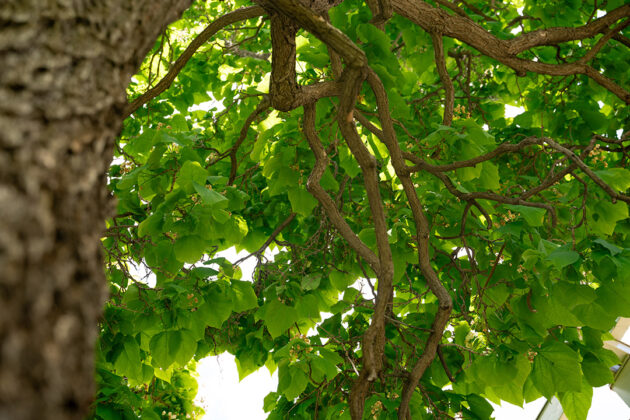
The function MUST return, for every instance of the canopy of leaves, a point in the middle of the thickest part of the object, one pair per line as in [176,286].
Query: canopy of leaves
[371,144]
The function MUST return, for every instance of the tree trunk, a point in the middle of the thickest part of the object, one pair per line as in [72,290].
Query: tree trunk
[65,67]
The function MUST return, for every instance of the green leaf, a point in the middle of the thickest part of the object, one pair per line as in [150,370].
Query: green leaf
[617,178]
[278,317]
[613,249]
[562,257]
[479,406]
[191,171]
[169,347]
[576,404]
[128,363]
[299,380]
[489,178]
[534,216]
[187,347]
[340,280]
[308,307]
[217,307]
[244,296]
[605,215]
[311,281]
[210,197]
[595,119]
[556,369]
[301,201]
[152,225]
[595,371]
[189,249]
[179,123]
[143,143]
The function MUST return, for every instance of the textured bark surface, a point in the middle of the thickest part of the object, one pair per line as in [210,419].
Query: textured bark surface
[65,67]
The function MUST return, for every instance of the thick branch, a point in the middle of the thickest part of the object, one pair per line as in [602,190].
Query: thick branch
[435,20]
[313,186]
[283,85]
[554,36]
[423,233]
[316,25]
[213,28]
[449,100]
[374,338]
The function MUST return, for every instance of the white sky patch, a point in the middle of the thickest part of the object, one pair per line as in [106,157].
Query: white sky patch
[363,286]
[606,404]
[513,111]
[223,397]
[220,393]
[206,106]
[507,411]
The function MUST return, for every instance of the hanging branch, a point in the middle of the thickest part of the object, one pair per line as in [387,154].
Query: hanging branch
[202,38]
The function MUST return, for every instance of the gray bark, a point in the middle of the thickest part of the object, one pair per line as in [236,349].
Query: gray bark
[65,67]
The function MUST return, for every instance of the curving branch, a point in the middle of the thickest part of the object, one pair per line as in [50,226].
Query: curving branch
[435,20]
[260,108]
[445,303]
[313,186]
[373,343]
[422,165]
[555,36]
[614,195]
[225,20]
[440,62]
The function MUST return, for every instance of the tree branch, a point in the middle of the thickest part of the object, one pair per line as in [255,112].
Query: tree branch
[262,107]
[445,303]
[440,62]
[213,28]
[435,20]
[313,186]
[259,252]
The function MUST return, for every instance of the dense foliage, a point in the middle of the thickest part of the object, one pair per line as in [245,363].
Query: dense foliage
[498,281]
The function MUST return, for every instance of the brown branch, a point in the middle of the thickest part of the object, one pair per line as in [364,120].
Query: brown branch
[554,36]
[283,85]
[318,26]
[588,171]
[213,28]
[259,252]
[422,165]
[603,40]
[313,186]
[435,20]
[622,39]
[373,342]
[440,62]
[486,195]
[444,365]
[445,303]
[262,107]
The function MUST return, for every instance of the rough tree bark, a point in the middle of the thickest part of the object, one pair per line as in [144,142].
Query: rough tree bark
[65,67]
